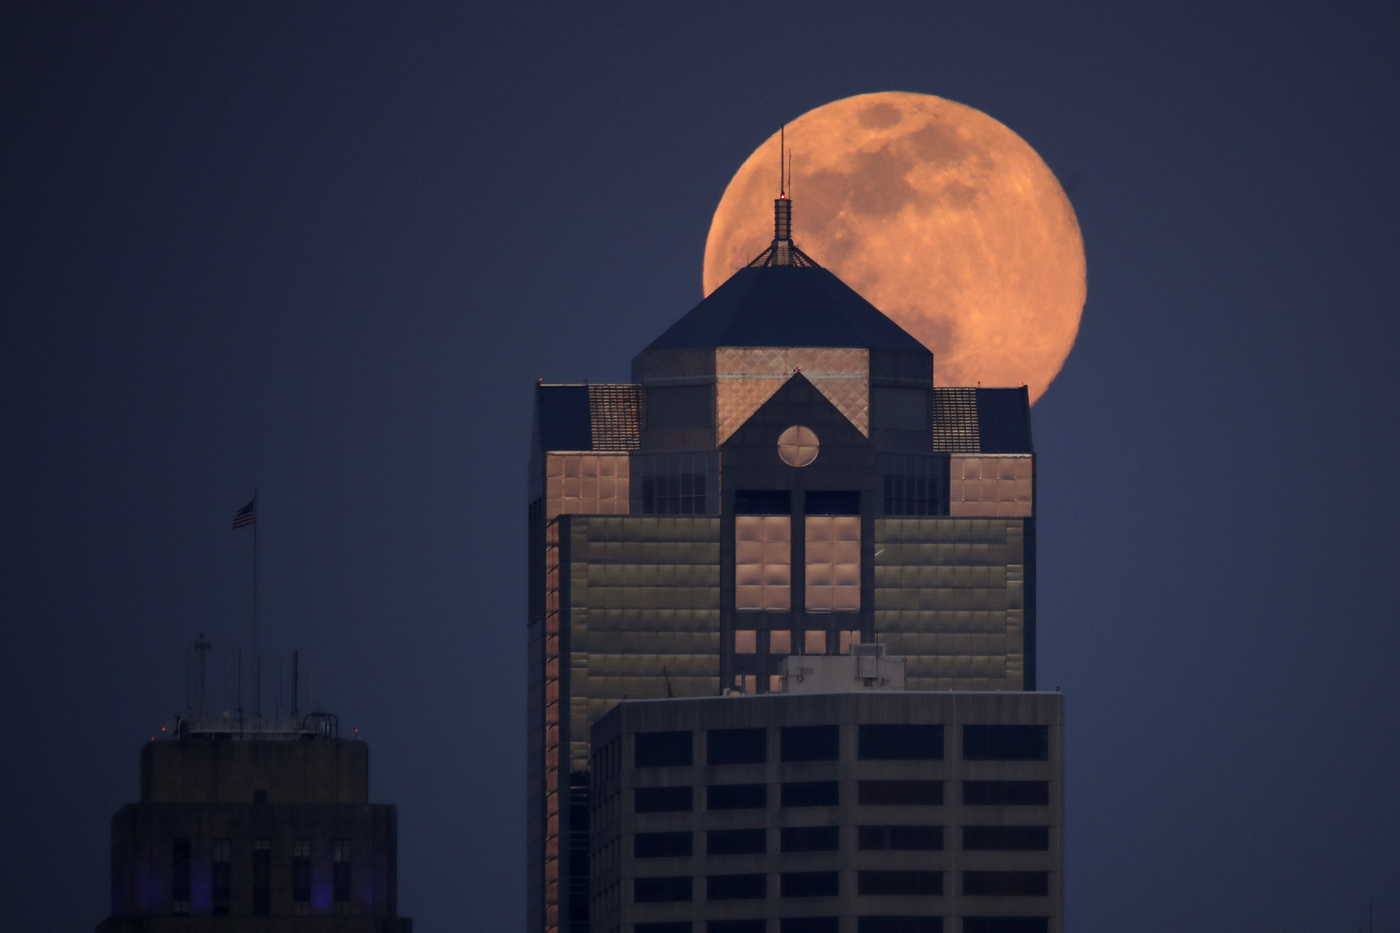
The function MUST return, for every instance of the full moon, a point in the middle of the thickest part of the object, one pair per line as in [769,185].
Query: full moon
[940,216]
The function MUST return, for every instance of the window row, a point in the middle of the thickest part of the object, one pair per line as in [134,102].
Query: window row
[875,742]
[868,924]
[795,884]
[221,876]
[780,641]
[828,839]
[828,794]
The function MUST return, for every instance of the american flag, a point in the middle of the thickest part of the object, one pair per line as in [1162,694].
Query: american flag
[246,515]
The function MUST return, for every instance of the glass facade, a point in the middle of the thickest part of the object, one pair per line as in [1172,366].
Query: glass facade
[587,484]
[950,596]
[644,615]
[675,484]
[991,484]
[763,562]
[833,563]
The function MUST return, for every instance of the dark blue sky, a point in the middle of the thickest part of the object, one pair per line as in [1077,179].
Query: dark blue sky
[328,248]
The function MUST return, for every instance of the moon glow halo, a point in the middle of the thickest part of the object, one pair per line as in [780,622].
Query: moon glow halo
[939,215]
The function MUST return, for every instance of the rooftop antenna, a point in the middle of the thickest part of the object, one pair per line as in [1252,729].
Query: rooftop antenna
[202,646]
[782,209]
[782,252]
[782,154]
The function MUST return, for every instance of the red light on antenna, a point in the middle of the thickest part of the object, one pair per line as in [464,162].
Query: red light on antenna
[162,728]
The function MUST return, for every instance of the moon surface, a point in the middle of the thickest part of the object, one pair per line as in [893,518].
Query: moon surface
[940,216]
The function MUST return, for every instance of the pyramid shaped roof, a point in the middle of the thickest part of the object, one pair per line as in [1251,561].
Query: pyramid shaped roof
[786,306]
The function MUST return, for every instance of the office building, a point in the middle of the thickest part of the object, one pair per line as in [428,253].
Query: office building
[780,477]
[874,810]
[258,824]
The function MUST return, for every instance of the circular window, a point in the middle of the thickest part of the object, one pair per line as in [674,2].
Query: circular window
[798,445]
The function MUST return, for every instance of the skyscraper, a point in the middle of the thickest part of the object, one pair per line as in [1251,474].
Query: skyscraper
[260,823]
[780,477]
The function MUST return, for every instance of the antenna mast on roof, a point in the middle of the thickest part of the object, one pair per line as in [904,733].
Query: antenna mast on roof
[782,252]
[782,209]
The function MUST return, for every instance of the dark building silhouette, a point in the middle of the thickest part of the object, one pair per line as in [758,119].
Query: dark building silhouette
[779,478]
[263,824]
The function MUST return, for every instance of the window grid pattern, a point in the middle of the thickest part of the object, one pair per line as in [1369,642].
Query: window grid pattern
[763,562]
[950,597]
[913,484]
[987,484]
[874,876]
[644,614]
[833,563]
[587,484]
[675,484]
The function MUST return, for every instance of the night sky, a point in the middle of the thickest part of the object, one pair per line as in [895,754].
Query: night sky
[327,249]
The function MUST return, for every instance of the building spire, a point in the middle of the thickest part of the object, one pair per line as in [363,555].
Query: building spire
[782,209]
[782,252]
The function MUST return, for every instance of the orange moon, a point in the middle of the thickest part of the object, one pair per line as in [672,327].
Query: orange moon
[940,216]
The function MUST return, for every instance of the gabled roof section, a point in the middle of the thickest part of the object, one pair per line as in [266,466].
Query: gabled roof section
[786,306]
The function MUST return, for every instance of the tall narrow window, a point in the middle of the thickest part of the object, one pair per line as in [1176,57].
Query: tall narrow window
[340,877]
[180,876]
[763,562]
[221,877]
[833,563]
[262,878]
[301,877]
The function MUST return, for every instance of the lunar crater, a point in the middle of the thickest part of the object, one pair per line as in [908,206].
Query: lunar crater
[880,116]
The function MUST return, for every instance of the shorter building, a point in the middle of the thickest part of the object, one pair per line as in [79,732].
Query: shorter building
[255,825]
[872,811]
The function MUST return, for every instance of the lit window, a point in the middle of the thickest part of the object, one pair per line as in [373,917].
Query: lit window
[849,638]
[762,562]
[815,642]
[833,563]
[746,641]
[780,642]
[775,683]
